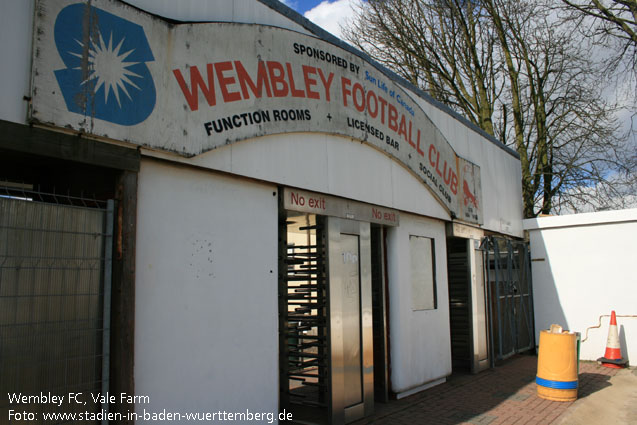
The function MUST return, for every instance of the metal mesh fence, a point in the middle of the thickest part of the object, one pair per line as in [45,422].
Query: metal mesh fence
[52,280]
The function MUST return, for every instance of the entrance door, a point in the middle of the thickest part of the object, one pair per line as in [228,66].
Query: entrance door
[350,316]
[467,311]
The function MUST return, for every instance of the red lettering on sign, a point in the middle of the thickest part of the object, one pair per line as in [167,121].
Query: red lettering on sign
[245,80]
[295,92]
[310,82]
[297,199]
[345,83]
[373,103]
[317,203]
[326,83]
[402,129]
[448,174]
[454,184]
[196,82]
[420,151]
[224,82]
[383,104]
[432,151]
[358,90]
[277,79]
[393,117]
[438,164]
[376,214]
[373,110]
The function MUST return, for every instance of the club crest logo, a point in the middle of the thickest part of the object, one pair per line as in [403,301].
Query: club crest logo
[106,76]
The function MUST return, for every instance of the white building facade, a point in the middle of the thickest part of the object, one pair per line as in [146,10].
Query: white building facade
[283,209]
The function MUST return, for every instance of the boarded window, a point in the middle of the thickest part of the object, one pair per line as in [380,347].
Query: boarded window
[423,273]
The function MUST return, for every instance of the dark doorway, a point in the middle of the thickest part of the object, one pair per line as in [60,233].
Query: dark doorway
[459,273]
[379,314]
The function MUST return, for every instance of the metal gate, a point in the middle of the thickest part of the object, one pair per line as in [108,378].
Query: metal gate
[508,273]
[304,377]
[55,287]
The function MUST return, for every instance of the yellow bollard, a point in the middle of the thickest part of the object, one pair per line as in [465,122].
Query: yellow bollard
[557,366]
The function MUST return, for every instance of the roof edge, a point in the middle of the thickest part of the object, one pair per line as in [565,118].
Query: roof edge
[582,219]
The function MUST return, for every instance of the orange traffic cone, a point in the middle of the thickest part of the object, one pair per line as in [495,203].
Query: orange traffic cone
[613,355]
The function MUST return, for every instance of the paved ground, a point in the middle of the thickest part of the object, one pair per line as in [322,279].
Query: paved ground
[507,395]
[615,404]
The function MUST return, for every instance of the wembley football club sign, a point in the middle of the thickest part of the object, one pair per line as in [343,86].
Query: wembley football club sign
[107,69]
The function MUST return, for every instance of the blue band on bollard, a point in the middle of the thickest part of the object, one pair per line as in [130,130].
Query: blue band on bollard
[558,385]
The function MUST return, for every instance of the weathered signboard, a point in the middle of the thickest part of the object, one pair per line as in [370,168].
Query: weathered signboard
[107,69]
[316,203]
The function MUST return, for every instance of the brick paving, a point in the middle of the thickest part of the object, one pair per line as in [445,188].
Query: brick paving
[504,395]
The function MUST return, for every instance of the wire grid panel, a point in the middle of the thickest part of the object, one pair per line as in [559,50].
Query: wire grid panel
[51,303]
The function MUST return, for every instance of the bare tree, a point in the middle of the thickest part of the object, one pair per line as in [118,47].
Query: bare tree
[442,46]
[614,22]
[565,133]
[500,62]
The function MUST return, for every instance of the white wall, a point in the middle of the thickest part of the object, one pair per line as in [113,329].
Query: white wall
[583,266]
[323,163]
[16,31]
[206,327]
[243,11]
[419,340]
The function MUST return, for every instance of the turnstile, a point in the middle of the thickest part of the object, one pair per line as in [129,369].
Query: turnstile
[325,318]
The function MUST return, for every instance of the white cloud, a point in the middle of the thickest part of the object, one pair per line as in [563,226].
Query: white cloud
[290,3]
[331,15]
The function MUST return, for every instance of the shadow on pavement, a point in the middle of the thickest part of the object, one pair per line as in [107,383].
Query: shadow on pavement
[590,383]
[466,398]
[504,395]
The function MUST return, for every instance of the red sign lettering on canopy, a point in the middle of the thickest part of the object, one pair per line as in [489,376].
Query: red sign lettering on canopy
[206,85]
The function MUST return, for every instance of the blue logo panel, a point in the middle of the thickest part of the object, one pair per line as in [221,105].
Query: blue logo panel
[106,76]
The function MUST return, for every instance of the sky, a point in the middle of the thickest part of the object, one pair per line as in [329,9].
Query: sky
[328,14]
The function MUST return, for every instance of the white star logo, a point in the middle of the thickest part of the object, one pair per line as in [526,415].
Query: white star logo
[109,67]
